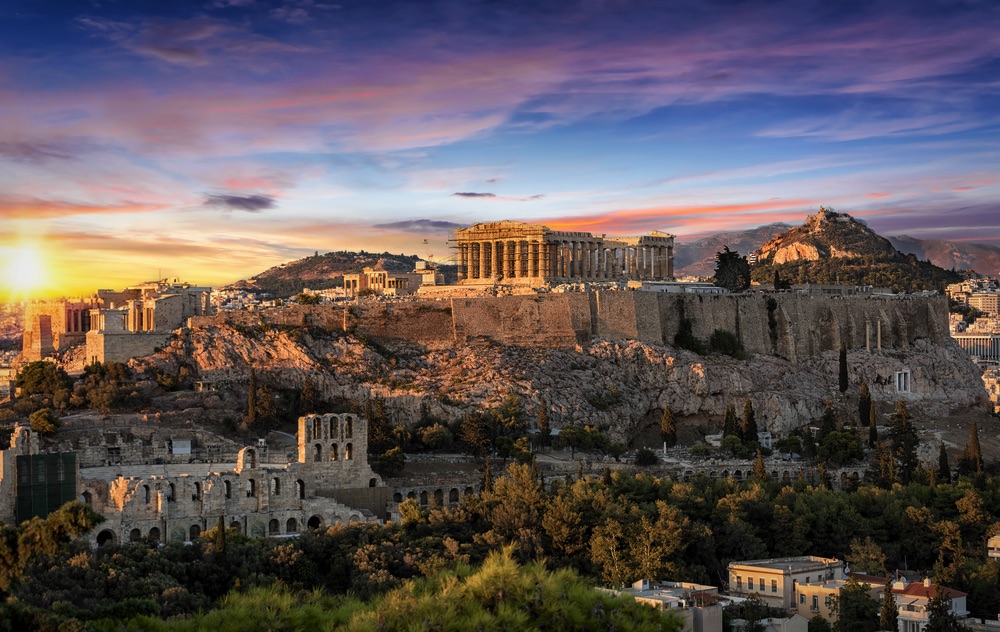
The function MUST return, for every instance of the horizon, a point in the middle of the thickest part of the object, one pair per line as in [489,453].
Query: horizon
[212,140]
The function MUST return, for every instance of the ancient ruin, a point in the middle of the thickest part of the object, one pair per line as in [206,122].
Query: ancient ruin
[175,501]
[532,254]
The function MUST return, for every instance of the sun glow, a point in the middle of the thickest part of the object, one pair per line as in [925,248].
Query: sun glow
[22,271]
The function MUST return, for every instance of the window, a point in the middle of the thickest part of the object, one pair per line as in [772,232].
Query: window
[749,583]
[229,489]
[760,584]
[739,583]
[807,579]
[774,585]
[197,492]
[802,599]
[815,602]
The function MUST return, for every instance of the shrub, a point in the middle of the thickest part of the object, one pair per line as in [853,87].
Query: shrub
[646,457]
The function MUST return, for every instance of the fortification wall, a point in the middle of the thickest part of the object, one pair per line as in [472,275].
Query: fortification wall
[792,326]
[122,347]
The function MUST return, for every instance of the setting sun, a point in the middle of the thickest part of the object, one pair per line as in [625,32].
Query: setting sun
[23,272]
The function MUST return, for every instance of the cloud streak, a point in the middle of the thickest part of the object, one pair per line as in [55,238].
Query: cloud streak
[248,203]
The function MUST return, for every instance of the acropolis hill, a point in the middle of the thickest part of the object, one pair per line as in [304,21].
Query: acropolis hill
[604,357]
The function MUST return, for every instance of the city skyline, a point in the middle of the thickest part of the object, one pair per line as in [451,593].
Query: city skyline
[210,140]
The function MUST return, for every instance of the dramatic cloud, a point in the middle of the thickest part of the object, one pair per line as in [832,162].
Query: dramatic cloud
[248,203]
[420,226]
[469,194]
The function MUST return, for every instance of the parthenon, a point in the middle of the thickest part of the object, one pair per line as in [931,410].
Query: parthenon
[532,254]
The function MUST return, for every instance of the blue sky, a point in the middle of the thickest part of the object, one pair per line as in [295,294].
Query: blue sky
[210,140]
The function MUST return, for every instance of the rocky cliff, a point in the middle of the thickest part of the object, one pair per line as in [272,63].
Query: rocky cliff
[621,384]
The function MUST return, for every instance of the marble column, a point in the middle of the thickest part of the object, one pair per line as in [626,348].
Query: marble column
[462,263]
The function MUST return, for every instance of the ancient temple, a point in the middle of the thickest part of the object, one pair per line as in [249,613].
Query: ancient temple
[532,254]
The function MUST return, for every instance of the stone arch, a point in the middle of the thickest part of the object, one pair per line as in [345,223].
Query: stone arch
[194,531]
[236,524]
[411,494]
[453,495]
[292,526]
[438,497]
[423,498]
[276,486]
[315,522]
[334,452]
[354,518]
[107,537]
[372,482]
[397,497]
[87,497]
[725,473]
[154,534]
[300,489]
[317,452]
[469,491]
[197,492]
[272,527]
[738,475]
[316,432]
[146,496]
[349,427]
[348,451]
[171,493]
[332,427]
[246,459]
[134,535]
[229,488]
[251,488]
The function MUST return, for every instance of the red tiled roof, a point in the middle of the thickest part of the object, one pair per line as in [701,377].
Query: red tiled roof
[917,589]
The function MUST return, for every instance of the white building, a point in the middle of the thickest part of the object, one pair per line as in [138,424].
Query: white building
[776,580]
[912,600]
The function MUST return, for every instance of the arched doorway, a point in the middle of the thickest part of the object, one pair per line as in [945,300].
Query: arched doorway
[106,537]
[272,527]
[194,532]
[292,526]
[134,535]
[315,522]
[154,534]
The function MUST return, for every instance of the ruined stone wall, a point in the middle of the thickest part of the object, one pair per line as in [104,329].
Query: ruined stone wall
[538,321]
[122,347]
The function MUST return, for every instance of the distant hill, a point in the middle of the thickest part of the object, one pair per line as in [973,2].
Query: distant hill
[983,258]
[835,248]
[323,271]
[697,258]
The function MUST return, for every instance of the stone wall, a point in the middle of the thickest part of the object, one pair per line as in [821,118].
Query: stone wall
[122,347]
[791,326]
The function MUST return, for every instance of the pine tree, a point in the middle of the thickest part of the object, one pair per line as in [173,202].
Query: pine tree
[668,428]
[544,429]
[864,405]
[749,428]
[828,423]
[729,426]
[888,616]
[872,428]
[843,368]
[944,470]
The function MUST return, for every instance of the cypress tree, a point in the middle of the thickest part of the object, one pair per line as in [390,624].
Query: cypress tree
[668,427]
[864,405]
[843,368]
[759,469]
[828,423]
[975,451]
[872,428]
[729,422]
[904,440]
[544,429]
[252,398]
[944,470]
[487,475]
[888,616]
[749,429]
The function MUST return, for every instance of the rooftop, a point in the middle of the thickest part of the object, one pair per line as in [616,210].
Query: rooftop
[791,564]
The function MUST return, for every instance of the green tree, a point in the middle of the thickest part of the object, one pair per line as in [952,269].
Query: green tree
[251,414]
[760,468]
[43,378]
[944,470]
[729,424]
[857,611]
[748,429]
[872,428]
[43,421]
[843,368]
[866,556]
[307,399]
[864,406]
[818,624]
[732,271]
[392,461]
[668,427]
[544,426]
[888,615]
[904,442]
[975,450]
[307,299]
[645,457]
[940,616]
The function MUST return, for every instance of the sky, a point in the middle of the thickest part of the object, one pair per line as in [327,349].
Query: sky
[210,140]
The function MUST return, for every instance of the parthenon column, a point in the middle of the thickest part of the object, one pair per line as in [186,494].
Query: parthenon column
[480,260]
[521,264]
[497,261]
[463,264]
